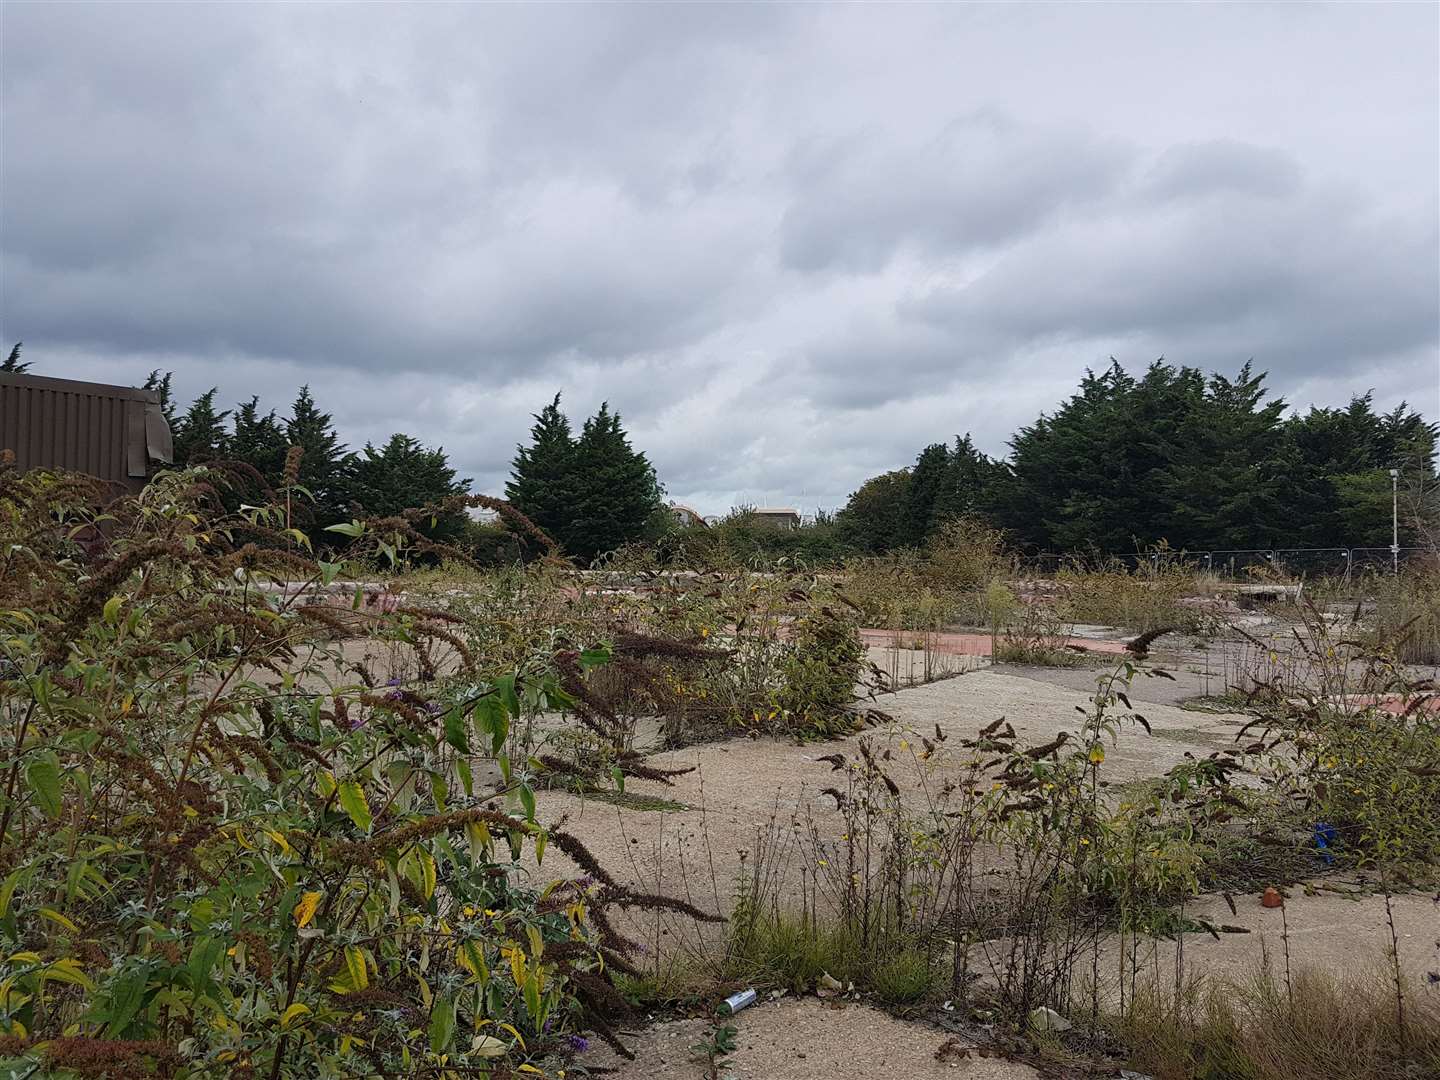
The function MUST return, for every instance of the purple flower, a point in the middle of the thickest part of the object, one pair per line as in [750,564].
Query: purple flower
[395,695]
[579,1043]
[392,682]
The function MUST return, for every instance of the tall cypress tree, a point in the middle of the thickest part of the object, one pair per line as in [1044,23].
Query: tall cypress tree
[618,494]
[13,364]
[542,481]
[200,434]
[403,474]
[970,484]
[259,440]
[926,494]
[325,463]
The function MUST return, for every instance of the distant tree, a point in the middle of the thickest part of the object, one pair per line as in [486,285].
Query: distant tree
[404,474]
[13,363]
[872,520]
[542,478]
[200,434]
[925,495]
[618,496]
[1097,474]
[324,464]
[259,440]
[1230,483]
[971,483]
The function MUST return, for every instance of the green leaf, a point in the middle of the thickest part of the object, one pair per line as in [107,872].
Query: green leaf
[442,1024]
[467,779]
[43,775]
[527,800]
[7,891]
[352,801]
[505,688]
[492,719]
[347,528]
[112,609]
[618,777]
[532,999]
[329,571]
[127,994]
[204,955]
[590,658]
[455,733]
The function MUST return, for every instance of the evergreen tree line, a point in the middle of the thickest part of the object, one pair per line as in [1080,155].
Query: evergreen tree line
[592,493]
[1202,463]
[341,484]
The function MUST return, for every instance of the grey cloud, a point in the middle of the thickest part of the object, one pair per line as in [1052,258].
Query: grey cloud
[1223,166]
[1302,284]
[791,244]
[983,179]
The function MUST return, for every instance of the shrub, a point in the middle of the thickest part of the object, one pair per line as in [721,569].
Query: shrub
[819,674]
[231,850]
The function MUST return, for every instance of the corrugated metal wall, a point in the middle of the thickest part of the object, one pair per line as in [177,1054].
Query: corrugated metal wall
[85,427]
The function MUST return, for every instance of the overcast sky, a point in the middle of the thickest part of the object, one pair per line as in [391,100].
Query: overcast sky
[790,244]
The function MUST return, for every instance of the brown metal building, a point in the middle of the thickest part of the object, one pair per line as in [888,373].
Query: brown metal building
[117,433]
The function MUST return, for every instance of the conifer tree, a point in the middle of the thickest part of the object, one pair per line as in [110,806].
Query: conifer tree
[13,364]
[925,494]
[403,474]
[542,480]
[325,464]
[259,440]
[618,494]
[200,434]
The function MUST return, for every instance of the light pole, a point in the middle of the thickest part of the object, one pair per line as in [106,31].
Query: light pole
[1395,521]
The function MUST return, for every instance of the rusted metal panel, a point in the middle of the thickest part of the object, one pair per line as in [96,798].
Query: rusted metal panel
[115,433]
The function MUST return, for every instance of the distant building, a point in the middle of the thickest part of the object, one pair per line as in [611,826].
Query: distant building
[776,517]
[687,517]
[116,433]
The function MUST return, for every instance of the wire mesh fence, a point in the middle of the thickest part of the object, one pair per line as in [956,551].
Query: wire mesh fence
[1243,564]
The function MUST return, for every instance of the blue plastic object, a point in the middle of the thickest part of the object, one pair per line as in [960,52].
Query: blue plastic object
[1325,837]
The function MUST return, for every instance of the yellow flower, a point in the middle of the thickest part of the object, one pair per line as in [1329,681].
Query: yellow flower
[305,909]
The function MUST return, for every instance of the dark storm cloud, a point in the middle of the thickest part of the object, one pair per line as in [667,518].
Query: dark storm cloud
[791,244]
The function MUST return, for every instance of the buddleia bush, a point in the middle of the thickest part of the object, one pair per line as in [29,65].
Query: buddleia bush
[231,847]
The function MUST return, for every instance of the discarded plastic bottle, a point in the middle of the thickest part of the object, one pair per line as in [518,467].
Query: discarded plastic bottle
[735,1002]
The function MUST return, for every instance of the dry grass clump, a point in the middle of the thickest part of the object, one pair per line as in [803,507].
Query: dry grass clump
[933,588]
[1407,613]
[1141,599]
[1318,1029]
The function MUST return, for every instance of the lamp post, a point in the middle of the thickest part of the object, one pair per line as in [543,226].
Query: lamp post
[1395,521]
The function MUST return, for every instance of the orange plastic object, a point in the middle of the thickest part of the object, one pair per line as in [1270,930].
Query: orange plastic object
[1272,898]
